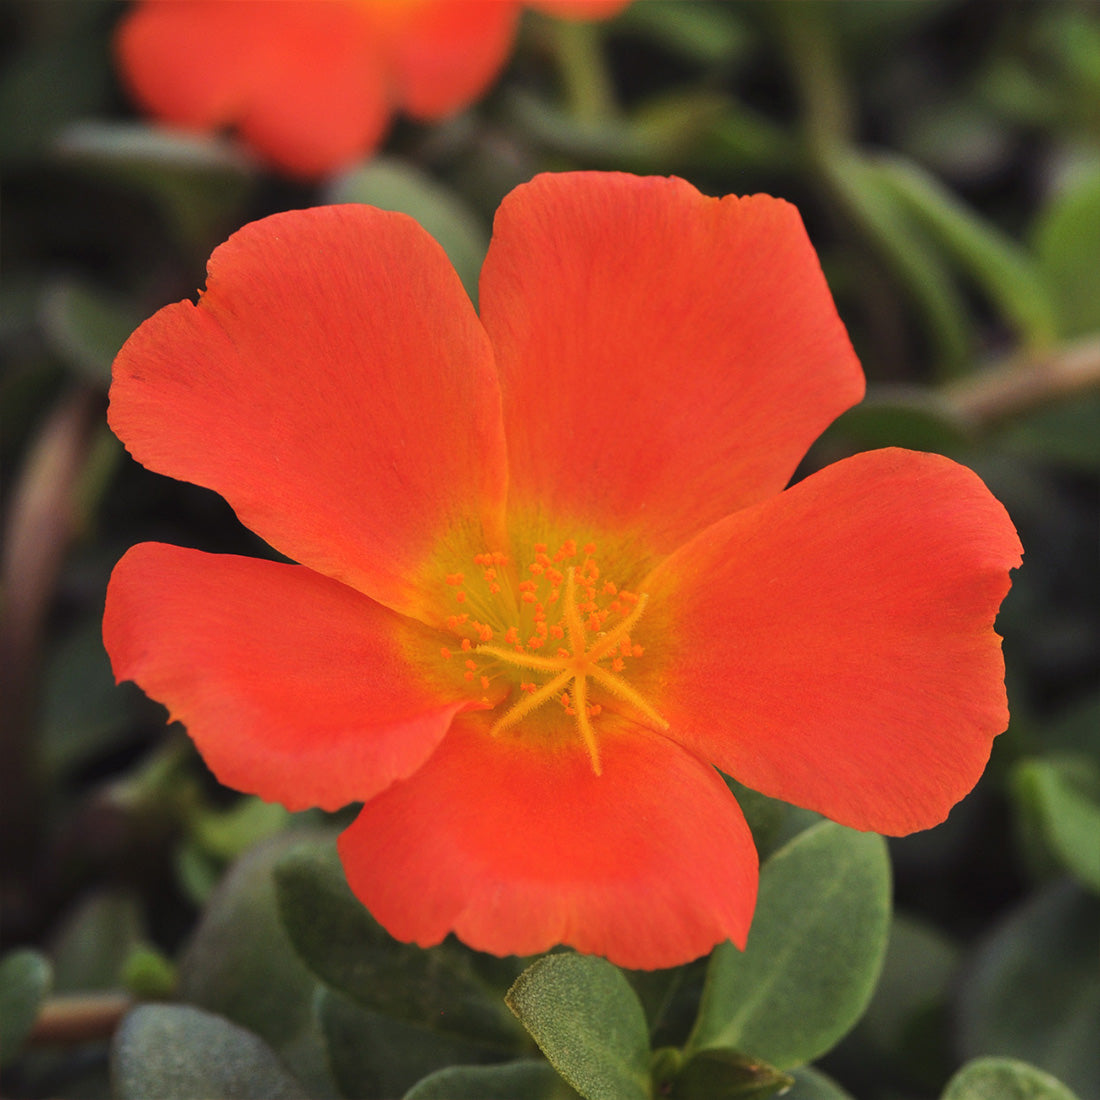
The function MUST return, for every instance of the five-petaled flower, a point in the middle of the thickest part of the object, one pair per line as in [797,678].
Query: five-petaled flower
[550,577]
[311,85]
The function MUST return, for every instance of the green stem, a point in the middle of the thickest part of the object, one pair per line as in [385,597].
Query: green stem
[588,86]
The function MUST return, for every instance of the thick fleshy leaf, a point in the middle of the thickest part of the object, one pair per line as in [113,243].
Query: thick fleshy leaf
[719,1074]
[814,952]
[1034,992]
[651,338]
[834,647]
[1004,1079]
[239,963]
[517,846]
[334,385]
[24,982]
[529,1079]
[588,1022]
[340,942]
[378,1057]
[812,1084]
[293,686]
[1063,793]
[303,82]
[92,946]
[175,1052]
[445,53]
[1067,245]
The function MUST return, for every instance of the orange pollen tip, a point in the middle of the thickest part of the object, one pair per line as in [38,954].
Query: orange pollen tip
[591,641]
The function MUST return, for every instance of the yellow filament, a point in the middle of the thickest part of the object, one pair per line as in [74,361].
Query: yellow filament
[575,667]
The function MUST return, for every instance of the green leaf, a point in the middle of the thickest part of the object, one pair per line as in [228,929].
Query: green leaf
[1004,1079]
[240,964]
[812,1084]
[347,949]
[710,34]
[1034,991]
[1064,794]
[588,1022]
[175,1052]
[813,955]
[525,1080]
[86,326]
[83,713]
[1062,433]
[1003,270]
[198,182]
[1067,246]
[24,982]
[149,974]
[375,1057]
[919,268]
[918,419]
[229,833]
[95,942]
[905,1026]
[724,1075]
[391,184]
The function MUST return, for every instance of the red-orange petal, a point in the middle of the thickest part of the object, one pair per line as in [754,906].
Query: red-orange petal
[516,848]
[293,686]
[444,54]
[835,647]
[305,83]
[666,358]
[334,385]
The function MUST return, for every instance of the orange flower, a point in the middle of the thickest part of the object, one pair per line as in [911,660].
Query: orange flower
[311,84]
[549,575]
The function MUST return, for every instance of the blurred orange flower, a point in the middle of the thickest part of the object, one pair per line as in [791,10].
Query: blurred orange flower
[550,578]
[311,85]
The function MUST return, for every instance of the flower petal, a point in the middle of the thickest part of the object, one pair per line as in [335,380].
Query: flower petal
[651,341]
[304,82]
[334,385]
[293,687]
[516,848]
[835,647]
[446,53]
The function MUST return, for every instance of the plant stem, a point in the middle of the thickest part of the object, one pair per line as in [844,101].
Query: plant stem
[80,1018]
[588,86]
[1022,383]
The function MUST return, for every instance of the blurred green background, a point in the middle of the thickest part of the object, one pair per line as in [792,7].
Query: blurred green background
[945,155]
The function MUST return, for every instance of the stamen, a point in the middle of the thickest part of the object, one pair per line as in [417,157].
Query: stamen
[570,668]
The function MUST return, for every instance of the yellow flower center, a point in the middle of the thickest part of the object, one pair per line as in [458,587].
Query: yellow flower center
[559,638]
